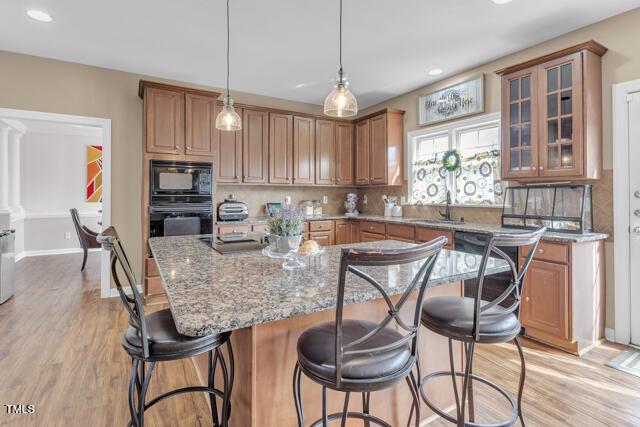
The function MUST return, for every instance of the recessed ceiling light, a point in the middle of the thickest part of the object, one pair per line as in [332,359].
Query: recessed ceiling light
[39,15]
[435,72]
[501,1]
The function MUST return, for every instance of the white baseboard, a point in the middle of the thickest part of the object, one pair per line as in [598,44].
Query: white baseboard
[26,254]
[610,334]
[113,292]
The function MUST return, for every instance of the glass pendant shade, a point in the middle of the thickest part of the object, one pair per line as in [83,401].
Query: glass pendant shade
[341,102]
[228,118]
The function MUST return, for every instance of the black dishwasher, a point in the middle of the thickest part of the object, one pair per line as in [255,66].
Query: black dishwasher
[495,284]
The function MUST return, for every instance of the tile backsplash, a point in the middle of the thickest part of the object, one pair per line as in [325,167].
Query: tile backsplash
[256,197]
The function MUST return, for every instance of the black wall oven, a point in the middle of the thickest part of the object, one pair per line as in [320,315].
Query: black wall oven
[181,198]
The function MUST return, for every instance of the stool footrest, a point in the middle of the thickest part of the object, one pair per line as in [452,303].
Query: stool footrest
[473,377]
[357,415]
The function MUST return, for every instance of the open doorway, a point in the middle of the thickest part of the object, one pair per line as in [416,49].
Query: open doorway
[49,164]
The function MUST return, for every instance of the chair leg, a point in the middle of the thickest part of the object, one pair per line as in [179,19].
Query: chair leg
[146,379]
[365,406]
[84,259]
[465,383]
[232,370]
[297,397]
[522,378]
[345,409]
[415,405]
[213,400]
[472,411]
[227,394]
[134,386]
[453,378]
[325,416]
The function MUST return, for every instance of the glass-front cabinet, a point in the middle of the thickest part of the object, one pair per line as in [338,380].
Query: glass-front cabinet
[520,92]
[551,116]
[561,117]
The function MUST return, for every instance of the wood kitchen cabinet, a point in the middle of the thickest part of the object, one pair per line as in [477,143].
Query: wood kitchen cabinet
[304,147]
[164,121]
[344,153]
[200,125]
[325,152]
[255,146]
[564,295]
[228,154]
[362,153]
[343,232]
[545,299]
[552,116]
[280,148]
[381,137]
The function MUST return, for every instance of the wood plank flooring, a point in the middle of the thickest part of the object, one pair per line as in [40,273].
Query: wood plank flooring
[60,350]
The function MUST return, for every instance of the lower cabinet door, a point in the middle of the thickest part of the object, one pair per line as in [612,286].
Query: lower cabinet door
[324,238]
[545,302]
[365,236]
[343,232]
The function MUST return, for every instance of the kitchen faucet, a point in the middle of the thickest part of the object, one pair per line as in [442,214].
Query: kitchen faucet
[447,213]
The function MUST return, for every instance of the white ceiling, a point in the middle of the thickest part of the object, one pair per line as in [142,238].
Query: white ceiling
[289,48]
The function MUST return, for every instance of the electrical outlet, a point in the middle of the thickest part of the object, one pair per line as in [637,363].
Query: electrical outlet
[364,199]
[325,199]
[67,236]
[287,200]
[403,200]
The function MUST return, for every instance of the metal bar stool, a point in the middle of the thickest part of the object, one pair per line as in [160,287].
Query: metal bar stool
[153,338]
[359,356]
[476,321]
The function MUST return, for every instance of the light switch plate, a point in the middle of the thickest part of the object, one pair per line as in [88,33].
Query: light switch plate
[364,199]
[325,199]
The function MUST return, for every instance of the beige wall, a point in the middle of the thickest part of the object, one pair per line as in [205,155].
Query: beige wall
[39,84]
[621,34]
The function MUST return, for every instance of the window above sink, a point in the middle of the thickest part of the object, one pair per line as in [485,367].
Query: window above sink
[476,183]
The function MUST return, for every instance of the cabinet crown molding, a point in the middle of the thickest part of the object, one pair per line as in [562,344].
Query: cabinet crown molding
[164,86]
[590,45]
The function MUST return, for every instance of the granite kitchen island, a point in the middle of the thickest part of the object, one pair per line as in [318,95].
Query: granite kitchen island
[267,308]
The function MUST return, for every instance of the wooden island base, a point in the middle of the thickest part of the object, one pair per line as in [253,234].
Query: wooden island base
[265,356]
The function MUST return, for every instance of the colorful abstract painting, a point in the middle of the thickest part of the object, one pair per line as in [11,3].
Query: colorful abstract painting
[94,174]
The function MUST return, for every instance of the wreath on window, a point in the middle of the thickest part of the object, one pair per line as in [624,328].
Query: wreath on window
[451,160]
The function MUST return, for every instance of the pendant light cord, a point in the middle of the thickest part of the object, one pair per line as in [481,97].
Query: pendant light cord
[340,39]
[228,36]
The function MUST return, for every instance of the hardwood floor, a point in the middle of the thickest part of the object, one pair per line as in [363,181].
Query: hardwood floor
[60,351]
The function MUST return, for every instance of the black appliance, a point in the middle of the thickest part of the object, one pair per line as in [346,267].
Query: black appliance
[180,199]
[495,284]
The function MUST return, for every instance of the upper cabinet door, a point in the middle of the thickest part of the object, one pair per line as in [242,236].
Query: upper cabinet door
[200,131]
[280,148]
[519,124]
[164,121]
[325,152]
[362,152]
[228,153]
[561,117]
[255,142]
[304,145]
[378,153]
[344,154]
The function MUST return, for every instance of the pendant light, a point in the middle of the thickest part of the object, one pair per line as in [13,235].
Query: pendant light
[341,102]
[228,118]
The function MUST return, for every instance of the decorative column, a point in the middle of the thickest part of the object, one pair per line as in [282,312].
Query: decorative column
[15,204]
[4,168]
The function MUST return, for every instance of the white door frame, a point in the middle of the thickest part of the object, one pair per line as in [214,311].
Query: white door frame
[105,125]
[621,225]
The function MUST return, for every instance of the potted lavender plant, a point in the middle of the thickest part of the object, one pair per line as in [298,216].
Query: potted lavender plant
[285,230]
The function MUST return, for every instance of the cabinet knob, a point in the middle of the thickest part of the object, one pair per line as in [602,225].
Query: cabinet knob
[188,148]
[177,147]
[541,250]
[541,168]
[371,227]
[527,299]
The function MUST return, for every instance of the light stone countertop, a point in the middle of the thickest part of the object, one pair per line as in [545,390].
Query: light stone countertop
[443,225]
[212,293]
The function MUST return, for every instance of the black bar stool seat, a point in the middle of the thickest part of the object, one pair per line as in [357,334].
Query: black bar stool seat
[317,356]
[165,342]
[453,317]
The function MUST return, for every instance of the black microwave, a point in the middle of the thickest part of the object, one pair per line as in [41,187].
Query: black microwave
[180,179]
